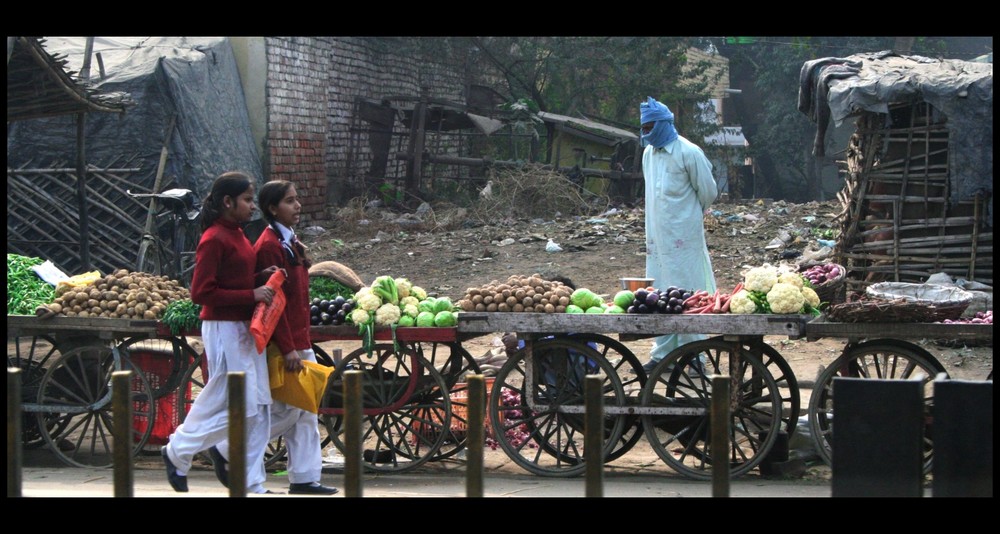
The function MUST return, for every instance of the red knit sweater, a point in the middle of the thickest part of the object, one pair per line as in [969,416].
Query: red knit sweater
[223,280]
[292,331]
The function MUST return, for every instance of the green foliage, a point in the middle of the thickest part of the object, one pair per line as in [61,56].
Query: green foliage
[323,287]
[25,290]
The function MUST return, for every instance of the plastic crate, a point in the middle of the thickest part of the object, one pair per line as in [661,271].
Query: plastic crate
[158,367]
[459,396]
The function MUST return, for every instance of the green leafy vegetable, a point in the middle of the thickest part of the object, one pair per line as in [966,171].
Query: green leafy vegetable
[25,290]
[182,315]
[322,287]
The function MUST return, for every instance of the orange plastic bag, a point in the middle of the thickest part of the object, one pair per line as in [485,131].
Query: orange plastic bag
[303,389]
[266,316]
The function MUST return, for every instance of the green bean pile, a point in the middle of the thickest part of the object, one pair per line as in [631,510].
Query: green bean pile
[25,290]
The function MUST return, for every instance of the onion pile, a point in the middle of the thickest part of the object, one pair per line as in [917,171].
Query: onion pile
[985,317]
[820,274]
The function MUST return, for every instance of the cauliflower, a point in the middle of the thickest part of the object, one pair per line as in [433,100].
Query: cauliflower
[791,278]
[409,300]
[760,278]
[411,310]
[418,293]
[362,292]
[360,316]
[403,287]
[368,301]
[741,303]
[812,299]
[785,298]
[387,314]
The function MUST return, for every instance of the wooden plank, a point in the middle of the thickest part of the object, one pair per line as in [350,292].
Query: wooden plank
[633,324]
[101,327]
[403,334]
[820,328]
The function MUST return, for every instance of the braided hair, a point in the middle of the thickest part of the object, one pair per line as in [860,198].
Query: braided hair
[270,195]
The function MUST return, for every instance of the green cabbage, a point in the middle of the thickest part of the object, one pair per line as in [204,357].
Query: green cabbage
[406,320]
[425,318]
[614,309]
[427,305]
[444,318]
[584,298]
[624,299]
[573,308]
[443,304]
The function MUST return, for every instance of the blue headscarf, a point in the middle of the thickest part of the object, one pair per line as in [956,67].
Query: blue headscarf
[663,131]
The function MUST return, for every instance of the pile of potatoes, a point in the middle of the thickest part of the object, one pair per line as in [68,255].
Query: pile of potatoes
[121,295]
[526,294]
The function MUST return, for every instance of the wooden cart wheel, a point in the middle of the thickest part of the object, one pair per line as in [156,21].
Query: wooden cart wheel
[679,381]
[886,359]
[633,378]
[171,352]
[76,392]
[33,356]
[784,378]
[408,410]
[550,442]
[454,363]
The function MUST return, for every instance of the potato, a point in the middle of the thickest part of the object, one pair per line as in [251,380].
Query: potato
[477,299]
[563,301]
[518,308]
[549,308]
[96,310]
[83,314]
[503,307]
[480,307]
[140,308]
[527,301]
[560,309]
[149,315]
[56,307]
[537,297]
[491,307]
[511,301]
[121,309]
[519,294]
[488,299]
[93,303]
[505,293]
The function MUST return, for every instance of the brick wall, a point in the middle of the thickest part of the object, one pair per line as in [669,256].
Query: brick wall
[312,84]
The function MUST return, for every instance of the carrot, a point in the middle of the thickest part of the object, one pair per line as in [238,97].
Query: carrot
[725,305]
[717,307]
[694,297]
[737,289]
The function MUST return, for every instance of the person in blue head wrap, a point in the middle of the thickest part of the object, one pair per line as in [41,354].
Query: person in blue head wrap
[679,188]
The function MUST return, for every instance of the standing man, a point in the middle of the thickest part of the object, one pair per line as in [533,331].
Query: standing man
[679,188]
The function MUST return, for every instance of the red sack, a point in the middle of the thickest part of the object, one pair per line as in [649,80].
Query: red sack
[265,316]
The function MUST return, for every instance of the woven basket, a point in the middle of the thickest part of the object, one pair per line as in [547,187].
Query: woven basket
[832,291]
[897,302]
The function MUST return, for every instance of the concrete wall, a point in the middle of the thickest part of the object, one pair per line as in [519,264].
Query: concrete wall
[252,64]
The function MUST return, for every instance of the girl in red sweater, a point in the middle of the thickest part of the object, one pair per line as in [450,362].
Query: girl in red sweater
[280,205]
[224,283]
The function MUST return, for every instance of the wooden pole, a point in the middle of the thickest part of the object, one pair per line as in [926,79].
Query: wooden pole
[720,436]
[121,407]
[352,433]
[593,432]
[81,192]
[475,438]
[14,450]
[237,434]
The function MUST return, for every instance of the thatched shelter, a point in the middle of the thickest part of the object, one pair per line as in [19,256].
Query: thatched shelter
[918,192]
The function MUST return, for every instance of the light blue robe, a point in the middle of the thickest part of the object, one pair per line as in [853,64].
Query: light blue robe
[679,188]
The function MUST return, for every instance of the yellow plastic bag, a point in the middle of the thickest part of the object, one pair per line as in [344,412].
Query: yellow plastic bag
[79,280]
[303,389]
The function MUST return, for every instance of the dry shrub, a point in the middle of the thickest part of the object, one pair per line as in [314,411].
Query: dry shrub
[533,191]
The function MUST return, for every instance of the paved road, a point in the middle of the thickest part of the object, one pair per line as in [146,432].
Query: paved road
[45,476]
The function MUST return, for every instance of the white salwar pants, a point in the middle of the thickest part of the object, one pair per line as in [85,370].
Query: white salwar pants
[300,430]
[229,347]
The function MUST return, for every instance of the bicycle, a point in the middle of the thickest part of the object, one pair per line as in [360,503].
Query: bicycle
[170,249]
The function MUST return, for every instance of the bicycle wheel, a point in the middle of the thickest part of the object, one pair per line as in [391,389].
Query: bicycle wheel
[149,260]
[682,381]
[885,359]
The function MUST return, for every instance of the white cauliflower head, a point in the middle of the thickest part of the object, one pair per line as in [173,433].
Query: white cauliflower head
[418,292]
[403,287]
[359,316]
[760,278]
[409,300]
[741,303]
[387,314]
[791,278]
[411,310]
[812,299]
[785,298]
[368,301]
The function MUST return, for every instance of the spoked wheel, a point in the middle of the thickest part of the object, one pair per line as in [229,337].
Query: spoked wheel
[886,359]
[633,378]
[163,361]
[407,410]
[33,356]
[784,378]
[455,364]
[682,382]
[149,260]
[538,435]
[75,393]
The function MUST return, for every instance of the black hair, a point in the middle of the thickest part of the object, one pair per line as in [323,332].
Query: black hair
[270,195]
[229,184]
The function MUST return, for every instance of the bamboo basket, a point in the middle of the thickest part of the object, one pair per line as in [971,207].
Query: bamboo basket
[899,302]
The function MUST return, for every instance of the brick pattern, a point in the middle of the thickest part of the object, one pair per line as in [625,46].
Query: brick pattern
[312,84]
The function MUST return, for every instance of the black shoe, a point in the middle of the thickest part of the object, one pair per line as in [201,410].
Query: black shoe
[383,457]
[311,488]
[648,366]
[178,482]
[220,465]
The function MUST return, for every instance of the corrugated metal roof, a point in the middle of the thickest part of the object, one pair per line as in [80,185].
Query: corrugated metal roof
[589,126]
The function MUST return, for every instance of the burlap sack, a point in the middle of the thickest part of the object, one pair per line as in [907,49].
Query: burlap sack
[338,272]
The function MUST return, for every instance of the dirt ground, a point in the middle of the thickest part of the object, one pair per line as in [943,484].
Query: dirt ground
[596,252]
